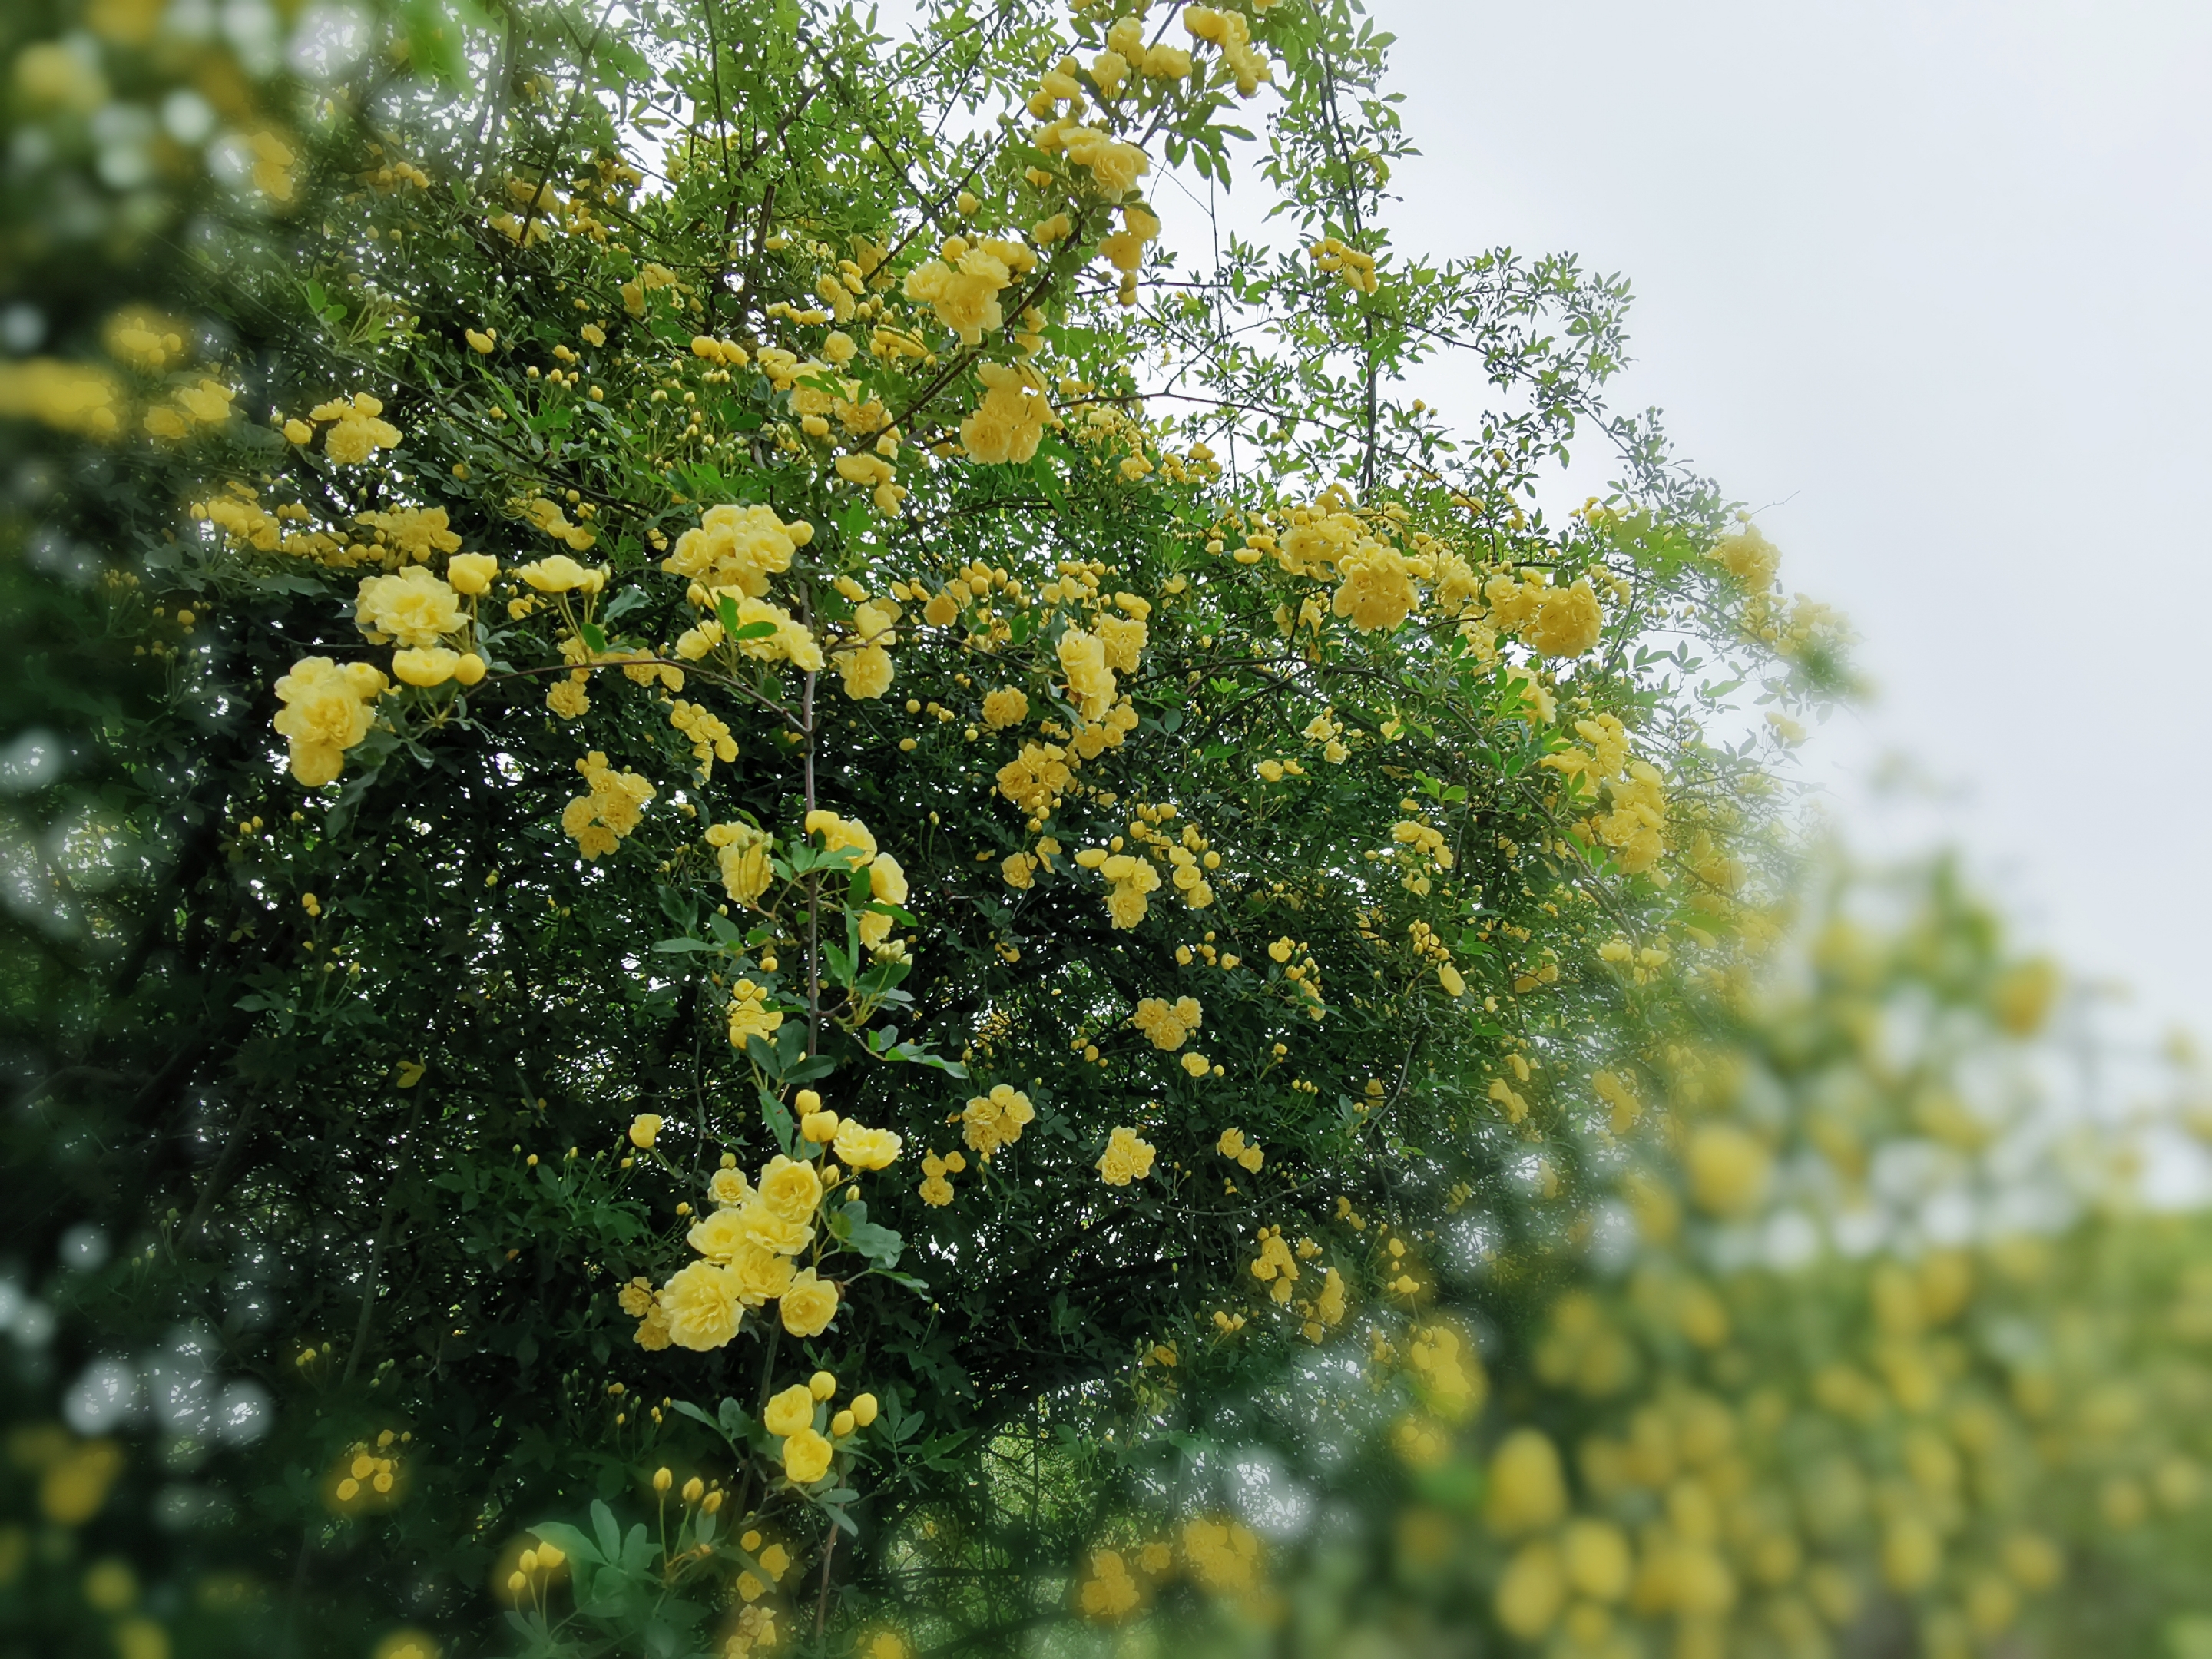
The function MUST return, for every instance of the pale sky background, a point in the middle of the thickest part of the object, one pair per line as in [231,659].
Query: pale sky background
[1924,282]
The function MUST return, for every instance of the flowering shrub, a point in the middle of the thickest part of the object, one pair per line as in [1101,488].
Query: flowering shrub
[748,836]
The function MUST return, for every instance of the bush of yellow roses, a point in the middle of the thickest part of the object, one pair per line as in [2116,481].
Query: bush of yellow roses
[751,859]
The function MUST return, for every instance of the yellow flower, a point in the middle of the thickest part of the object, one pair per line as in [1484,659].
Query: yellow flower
[1110,1592]
[1004,707]
[790,1189]
[837,833]
[749,1014]
[867,672]
[1748,556]
[1009,424]
[1531,1591]
[1089,682]
[1168,1024]
[1196,1064]
[1595,1556]
[806,1457]
[413,607]
[614,807]
[729,1188]
[789,1411]
[701,1304]
[470,573]
[1223,1555]
[1528,1493]
[1377,591]
[866,1149]
[720,1235]
[1126,1158]
[480,340]
[562,574]
[643,1129]
[326,711]
[809,1305]
[433,666]
[761,1274]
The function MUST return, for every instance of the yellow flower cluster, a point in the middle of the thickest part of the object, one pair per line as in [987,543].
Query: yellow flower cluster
[1745,554]
[1128,879]
[1168,1024]
[1230,32]
[417,610]
[356,428]
[416,533]
[962,284]
[994,1119]
[887,882]
[1224,1556]
[207,404]
[369,1476]
[746,1248]
[1340,259]
[737,548]
[1009,424]
[866,665]
[936,1190]
[1303,976]
[612,807]
[1635,825]
[1232,1145]
[1274,1267]
[73,398]
[749,1014]
[1126,1158]
[326,710]
[1110,1592]
[708,734]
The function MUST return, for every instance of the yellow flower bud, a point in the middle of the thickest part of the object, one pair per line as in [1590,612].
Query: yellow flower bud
[823,1386]
[663,1479]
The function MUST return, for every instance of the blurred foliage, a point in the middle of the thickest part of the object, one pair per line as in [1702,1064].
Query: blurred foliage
[767,885]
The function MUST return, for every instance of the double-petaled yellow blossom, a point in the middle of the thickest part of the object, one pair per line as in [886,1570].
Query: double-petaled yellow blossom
[864,1148]
[702,1307]
[414,608]
[808,1305]
[325,710]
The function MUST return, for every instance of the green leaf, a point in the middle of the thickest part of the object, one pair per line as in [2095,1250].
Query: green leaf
[609,1533]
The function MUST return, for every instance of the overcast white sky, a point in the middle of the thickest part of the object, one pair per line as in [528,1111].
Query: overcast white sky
[1925,282]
